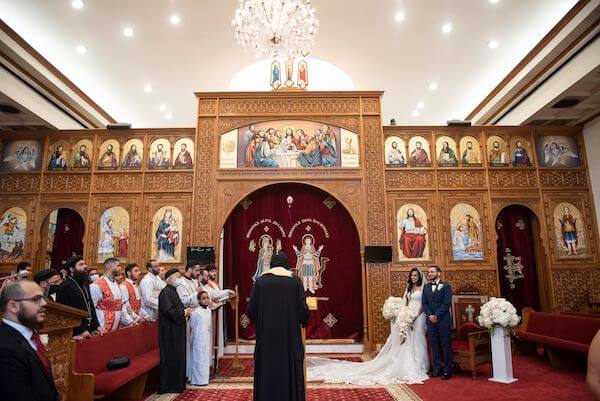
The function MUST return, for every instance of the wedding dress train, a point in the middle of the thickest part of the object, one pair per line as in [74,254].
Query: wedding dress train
[396,363]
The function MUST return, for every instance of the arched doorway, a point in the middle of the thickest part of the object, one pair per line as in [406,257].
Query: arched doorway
[300,220]
[61,237]
[519,257]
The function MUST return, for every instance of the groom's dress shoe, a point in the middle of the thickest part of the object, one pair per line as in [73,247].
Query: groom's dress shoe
[446,376]
[435,374]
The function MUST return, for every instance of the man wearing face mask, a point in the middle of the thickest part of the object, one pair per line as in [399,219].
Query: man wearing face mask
[107,297]
[172,335]
[49,280]
[75,292]
[26,369]
[93,272]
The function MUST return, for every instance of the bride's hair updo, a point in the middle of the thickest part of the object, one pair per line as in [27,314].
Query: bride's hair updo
[410,284]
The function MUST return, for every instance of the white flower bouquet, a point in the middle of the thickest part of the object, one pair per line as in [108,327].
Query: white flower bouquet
[498,311]
[405,321]
[391,307]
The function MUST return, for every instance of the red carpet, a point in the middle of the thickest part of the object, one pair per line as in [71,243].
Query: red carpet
[226,369]
[537,381]
[359,394]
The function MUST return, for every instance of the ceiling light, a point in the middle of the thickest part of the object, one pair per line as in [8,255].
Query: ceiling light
[128,32]
[447,27]
[175,20]
[399,17]
[415,113]
[77,4]
[433,86]
[162,107]
[494,1]
[148,88]
[81,49]
[169,116]
[493,44]
[420,105]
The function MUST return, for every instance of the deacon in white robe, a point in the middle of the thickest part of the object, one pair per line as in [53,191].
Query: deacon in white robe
[151,286]
[218,298]
[201,339]
[132,311]
[106,296]
[188,293]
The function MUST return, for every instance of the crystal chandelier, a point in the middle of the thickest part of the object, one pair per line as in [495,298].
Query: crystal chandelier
[275,28]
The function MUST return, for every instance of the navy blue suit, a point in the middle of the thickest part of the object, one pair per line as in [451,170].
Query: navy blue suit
[438,303]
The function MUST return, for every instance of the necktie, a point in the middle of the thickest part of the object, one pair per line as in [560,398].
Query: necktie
[41,352]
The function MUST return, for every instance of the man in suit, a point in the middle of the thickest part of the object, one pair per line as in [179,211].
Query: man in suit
[437,298]
[26,371]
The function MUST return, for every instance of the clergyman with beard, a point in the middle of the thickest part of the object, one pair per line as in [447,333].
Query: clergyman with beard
[75,292]
[25,366]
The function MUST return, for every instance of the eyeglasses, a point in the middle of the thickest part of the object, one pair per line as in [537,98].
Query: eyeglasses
[37,299]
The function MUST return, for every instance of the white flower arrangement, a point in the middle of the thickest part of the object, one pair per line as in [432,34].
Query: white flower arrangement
[391,307]
[498,311]
[405,320]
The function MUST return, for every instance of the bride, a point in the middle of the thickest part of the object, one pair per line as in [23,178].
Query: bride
[397,362]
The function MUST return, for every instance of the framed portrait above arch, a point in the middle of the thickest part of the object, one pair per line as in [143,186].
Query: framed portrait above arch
[289,144]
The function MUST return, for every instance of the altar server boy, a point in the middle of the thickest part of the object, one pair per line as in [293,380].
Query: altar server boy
[201,341]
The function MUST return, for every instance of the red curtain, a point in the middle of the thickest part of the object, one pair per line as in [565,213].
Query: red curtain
[68,239]
[266,216]
[515,240]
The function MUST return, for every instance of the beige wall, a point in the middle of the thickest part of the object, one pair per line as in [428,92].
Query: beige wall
[591,135]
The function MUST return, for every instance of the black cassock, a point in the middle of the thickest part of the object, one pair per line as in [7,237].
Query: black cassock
[171,339]
[278,309]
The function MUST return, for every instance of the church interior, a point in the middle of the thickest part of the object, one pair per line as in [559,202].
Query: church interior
[363,140]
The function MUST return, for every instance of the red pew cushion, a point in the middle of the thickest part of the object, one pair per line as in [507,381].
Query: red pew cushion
[574,329]
[555,342]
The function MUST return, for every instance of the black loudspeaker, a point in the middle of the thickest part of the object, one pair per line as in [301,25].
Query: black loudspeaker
[204,255]
[378,254]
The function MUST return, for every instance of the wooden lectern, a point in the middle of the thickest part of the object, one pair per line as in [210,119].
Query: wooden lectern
[313,304]
[60,321]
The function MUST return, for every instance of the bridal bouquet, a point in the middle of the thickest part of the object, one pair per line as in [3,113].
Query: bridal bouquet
[498,311]
[405,321]
[391,308]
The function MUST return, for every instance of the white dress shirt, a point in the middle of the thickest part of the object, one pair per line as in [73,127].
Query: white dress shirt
[25,331]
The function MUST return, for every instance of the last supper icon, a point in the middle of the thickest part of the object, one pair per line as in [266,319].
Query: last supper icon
[308,264]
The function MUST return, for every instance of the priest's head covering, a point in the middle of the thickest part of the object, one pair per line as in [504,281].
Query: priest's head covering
[72,261]
[170,272]
[45,275]
[280,259]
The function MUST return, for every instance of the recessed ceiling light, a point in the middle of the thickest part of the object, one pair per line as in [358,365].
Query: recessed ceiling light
[415,113]
[420,105]
[162,107]
[494,1]
[128,31]
[399,17]
[493,44]
[77,4]
[81,49]
[447,27]
[175,20]
[169,116]
[148,88]
[433,86]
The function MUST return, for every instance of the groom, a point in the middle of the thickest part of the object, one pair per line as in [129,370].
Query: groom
[437,298]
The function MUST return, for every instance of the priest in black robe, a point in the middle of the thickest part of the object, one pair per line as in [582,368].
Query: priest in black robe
[171,336]
[278,309]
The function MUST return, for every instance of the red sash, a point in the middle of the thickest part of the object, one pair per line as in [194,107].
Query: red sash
[108,304]
[135,303]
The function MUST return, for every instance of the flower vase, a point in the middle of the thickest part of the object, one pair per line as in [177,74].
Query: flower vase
[501,356]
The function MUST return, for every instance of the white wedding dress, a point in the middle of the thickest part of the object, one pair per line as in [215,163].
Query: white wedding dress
[396,363]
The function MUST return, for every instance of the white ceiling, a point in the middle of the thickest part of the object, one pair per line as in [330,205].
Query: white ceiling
[362,38]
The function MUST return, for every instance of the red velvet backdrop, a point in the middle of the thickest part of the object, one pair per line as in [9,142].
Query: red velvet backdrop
[313,212]
[514,229]
[68,238]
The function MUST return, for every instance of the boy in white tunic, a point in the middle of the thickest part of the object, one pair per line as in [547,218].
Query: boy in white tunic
[201,341]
